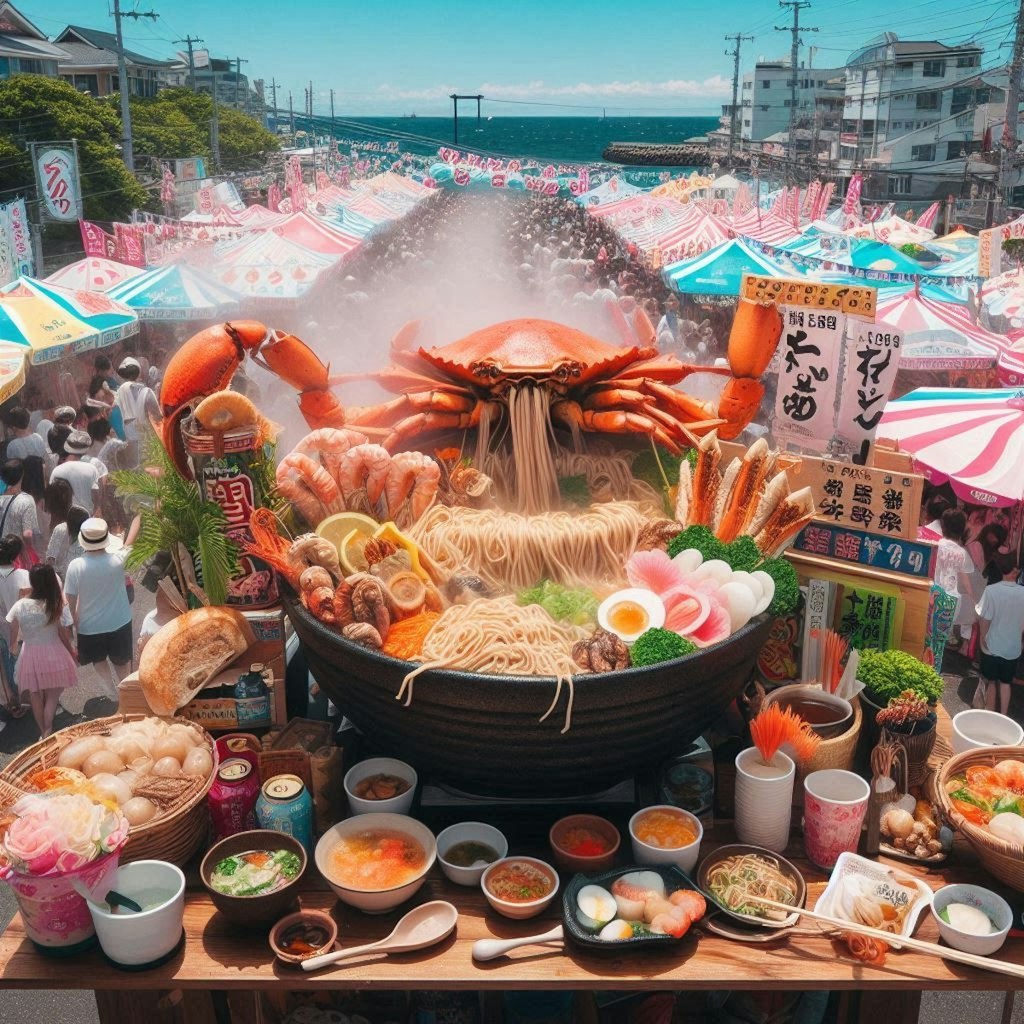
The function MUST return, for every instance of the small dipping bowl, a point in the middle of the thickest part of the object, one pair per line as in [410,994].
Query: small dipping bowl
[683,857]
[977,727]
[530,908]
[400,804]
[834,714]
[136,939]
[566,860]
[992,905]
[314,926]
[468,831]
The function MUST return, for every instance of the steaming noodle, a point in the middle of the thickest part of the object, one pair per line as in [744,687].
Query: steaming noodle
[530,420]
[500,637]
[516,551]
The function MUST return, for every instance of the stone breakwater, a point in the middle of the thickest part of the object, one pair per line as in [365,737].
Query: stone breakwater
[657,154]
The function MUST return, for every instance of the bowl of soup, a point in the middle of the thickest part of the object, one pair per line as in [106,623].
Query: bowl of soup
[664,834]
[380,785]
[252,877]
[466,850]
[584,842]
[374,862]
[826,714]
[519,887]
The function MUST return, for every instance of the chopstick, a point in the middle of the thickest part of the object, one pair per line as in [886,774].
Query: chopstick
[918,945]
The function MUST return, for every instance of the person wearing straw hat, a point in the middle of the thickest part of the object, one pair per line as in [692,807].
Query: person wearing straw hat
[83,476]
[98,598]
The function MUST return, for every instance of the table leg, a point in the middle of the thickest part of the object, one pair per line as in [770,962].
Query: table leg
[902,1007]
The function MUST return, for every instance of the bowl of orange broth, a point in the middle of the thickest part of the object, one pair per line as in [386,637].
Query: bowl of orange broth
[374,862]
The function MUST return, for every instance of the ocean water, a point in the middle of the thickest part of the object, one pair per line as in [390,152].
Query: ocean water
[567,139]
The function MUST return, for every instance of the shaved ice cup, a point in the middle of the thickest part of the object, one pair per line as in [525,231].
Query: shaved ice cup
[764,799]
[56,917]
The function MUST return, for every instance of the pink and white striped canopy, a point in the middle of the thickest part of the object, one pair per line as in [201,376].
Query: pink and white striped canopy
[972,439]
[92,274]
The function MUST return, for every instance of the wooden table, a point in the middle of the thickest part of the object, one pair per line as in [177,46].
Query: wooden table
[218,956]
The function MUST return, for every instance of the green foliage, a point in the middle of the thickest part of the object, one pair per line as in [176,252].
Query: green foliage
[1014,249]
[660,468]
[659,645]
[743,554]
[887,674]
[173,512]
[574,490]
[35,108]
[701,539]
[787,586]
[577,607]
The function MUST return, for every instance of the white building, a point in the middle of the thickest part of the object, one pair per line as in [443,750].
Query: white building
[766,97]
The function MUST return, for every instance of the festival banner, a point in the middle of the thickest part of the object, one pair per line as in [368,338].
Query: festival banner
[810,351]
[7,271]
[785,291]
[21,241]
[893,554]
[869,372]
[941,616]
[204,199]
[56,168]
[96,241]
[129,243]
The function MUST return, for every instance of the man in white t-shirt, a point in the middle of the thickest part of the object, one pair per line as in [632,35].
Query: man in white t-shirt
[98,599]
[17,509]
[84,477]
[1001,626]
[136,401]
[24,442]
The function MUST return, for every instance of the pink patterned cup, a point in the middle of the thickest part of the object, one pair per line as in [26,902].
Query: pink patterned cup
[835,803]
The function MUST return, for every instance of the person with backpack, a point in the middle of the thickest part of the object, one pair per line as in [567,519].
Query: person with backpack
[18,511]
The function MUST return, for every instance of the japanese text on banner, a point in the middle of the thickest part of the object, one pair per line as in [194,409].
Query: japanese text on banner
[21,243]
[809,355]
[868,377]
[57,177]
[7,271]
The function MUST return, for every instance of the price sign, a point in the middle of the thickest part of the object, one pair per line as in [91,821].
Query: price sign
[858,300]
[893,554]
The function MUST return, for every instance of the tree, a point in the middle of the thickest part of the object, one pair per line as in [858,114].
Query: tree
[34,108]
[163,130]
[1014,249]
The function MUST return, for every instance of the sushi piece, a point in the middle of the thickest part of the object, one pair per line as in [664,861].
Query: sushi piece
[615,931]
[632,891]
[595,907]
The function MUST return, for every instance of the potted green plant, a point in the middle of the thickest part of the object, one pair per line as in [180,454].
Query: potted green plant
[909,720]
[887,674]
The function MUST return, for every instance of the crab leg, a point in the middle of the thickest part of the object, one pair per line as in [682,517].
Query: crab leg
[415,401]
[574,417]
[432,420]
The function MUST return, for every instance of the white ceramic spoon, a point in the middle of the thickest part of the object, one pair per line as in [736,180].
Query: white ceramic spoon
[490,949]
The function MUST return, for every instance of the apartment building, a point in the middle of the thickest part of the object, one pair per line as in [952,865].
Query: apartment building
[766,97]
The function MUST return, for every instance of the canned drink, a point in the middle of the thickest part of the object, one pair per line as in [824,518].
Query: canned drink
[222,462]
[285,805]
[232,798]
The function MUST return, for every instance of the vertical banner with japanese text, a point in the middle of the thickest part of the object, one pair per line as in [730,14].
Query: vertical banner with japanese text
[869,372]
[7,271]
[56,168]
[809,352]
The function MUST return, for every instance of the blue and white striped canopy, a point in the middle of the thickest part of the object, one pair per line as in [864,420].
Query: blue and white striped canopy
[176,292]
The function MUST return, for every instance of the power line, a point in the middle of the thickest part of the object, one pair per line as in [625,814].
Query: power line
[737,39]
[123,84]
[794,61]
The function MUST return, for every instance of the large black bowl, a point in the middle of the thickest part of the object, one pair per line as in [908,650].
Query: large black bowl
[482,734]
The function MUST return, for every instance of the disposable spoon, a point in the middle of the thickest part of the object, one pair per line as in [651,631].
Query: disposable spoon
[491,949]
[423,926]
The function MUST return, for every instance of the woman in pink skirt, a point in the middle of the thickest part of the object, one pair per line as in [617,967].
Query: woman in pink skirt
[46,656]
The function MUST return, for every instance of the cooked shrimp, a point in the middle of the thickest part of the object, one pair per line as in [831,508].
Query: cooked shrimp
[362,475]
[329,443]
[413,477]
[424,488]
[298,493]
[1011,774]
[309,549]
[315,477]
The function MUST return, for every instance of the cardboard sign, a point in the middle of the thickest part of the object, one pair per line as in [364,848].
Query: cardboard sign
[866,617]
[809,357]
[862,497]
[892,554]
[869,372]
[858,300]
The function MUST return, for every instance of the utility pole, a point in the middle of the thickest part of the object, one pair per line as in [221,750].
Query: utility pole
[332,111]
[215,119]
[238,79]
[189,41]
[794,61]
[127,151]
[1008,143]
[291,115]
[737,38]
[310,97]
[273,93]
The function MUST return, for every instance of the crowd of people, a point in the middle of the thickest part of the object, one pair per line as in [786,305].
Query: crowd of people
[63,589]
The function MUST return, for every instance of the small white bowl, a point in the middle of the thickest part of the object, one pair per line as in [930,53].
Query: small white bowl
[401,804]
[989,903]
[134,939]
[376,901]
[520,911]
[476,831]
[683,857]
[977,727]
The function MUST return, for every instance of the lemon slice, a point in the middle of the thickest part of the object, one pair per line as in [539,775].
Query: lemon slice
[352,552]
[349,532]
[388,531]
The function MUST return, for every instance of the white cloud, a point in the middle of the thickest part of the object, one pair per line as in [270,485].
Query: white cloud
[538,90]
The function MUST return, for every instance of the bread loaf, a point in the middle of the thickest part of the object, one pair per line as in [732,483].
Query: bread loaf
[187,653]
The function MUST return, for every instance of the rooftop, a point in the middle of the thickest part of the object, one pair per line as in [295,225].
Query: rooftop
[78,41]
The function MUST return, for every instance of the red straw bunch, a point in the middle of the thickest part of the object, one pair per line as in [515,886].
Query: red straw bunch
[776,726]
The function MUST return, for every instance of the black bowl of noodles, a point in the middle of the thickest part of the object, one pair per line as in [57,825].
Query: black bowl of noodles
[482,733]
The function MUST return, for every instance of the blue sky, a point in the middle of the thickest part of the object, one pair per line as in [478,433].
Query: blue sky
[633,56]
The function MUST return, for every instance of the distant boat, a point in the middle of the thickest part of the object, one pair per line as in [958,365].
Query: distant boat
[408,117]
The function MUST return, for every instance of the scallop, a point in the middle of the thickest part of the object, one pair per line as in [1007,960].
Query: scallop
[768,590]
[596,907]
[75,753]
[740,601]
[616,931]
[170,746]
[198,761]
[102,761]
[113,787]
[138,810]
[167,768]
[715,569]
[688,561]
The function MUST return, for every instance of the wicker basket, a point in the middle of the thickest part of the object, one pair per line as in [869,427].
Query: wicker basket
[1001,859]
[174,836]
[839,751]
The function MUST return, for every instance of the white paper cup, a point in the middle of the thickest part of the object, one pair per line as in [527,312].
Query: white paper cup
[977,727]
[764,799]
[835,802]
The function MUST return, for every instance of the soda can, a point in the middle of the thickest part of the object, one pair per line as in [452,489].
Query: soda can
[232,798]
[285,805]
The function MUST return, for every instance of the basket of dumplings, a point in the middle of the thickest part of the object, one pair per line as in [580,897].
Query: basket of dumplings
[981,794]
[157,772]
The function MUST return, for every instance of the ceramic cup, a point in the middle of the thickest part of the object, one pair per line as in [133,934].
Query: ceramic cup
[977,728]
[764,795]
[835,802]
